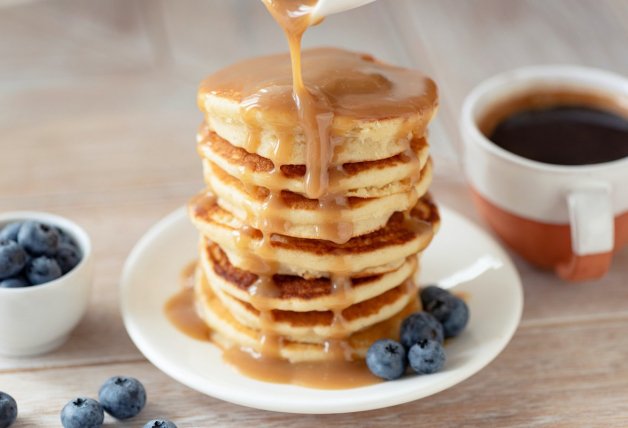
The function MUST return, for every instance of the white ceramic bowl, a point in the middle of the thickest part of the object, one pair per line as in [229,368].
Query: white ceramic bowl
[38,319]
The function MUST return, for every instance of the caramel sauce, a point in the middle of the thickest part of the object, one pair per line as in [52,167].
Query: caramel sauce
[464,295]
[181,312]
[267,366]
[348,84]
[180,308]
[315,115]
[321,375]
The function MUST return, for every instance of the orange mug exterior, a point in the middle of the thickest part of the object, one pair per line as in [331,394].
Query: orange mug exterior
[549,245]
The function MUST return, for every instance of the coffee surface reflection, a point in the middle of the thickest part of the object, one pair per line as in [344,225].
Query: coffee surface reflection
[547,129]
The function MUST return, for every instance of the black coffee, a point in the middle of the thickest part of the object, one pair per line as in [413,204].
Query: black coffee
[565,135]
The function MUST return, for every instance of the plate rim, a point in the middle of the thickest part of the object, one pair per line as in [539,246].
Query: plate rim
[269,404]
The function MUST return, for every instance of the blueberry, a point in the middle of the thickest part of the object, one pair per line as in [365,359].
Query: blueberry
[426,356]
[8,410]
[82,413]
[38,238]
[160,423]
[9,232]
[65,237]
[386,359]
[122,397]
[42,269]
[430,293]
[418,326]
[12,258]
[451,311]
[15,282]
[68,256]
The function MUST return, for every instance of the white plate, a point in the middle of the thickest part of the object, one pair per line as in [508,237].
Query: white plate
[461,256]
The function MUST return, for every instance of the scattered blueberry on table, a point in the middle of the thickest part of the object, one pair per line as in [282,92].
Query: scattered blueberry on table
[160,423]
[122,397]
[8,410]
[422,336]
[33,253]
[386,359]
[82,413]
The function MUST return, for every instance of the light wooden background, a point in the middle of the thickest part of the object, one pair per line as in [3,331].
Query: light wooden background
[97,123]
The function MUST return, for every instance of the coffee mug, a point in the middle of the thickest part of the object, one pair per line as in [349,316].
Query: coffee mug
[567,218]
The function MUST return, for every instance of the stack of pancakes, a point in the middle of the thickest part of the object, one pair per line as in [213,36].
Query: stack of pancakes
[298,278]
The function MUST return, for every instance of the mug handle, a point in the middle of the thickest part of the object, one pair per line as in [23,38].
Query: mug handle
[592,228]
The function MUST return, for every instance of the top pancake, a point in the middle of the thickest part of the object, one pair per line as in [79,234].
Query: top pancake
[377,108]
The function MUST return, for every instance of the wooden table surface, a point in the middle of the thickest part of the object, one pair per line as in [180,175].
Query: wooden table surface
[97,123]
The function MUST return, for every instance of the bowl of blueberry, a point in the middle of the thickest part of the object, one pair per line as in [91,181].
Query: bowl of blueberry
[45,281]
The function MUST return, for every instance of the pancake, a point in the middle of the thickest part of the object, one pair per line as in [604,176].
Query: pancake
[318,326]
[316,206]
[300,217]
[295,293]
[243,261]
[228,332]
[376,111]
[362,179]
[403,235]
